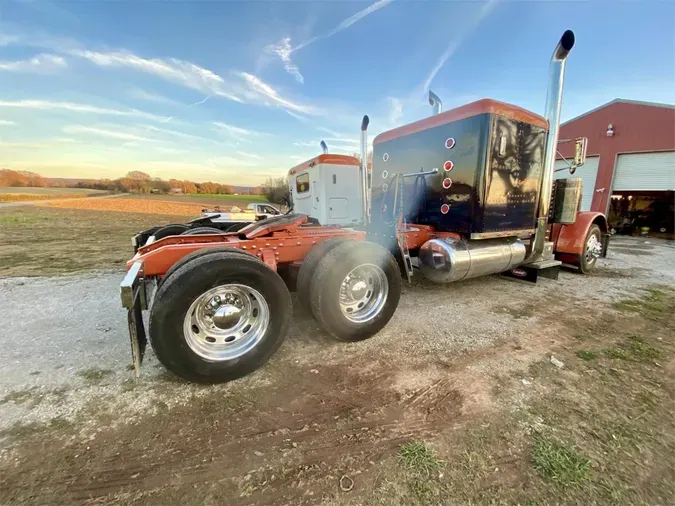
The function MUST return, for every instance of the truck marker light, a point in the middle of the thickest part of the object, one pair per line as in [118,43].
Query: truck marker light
[385,157]
[445,209]
[448,166]
[385,174]
[450,143]
[447,183]
[384,187]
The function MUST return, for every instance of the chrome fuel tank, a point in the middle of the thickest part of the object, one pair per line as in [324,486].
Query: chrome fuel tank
[448,260]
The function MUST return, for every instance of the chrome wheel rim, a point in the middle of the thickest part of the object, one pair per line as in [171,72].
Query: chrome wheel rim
[363,293]
[593,249]
[226,322]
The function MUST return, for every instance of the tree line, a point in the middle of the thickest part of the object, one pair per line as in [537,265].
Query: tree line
[134,182]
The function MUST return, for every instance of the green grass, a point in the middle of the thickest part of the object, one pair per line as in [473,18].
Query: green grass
[653,306]
[559,463]
[417,458]
[618,353]
[586,354]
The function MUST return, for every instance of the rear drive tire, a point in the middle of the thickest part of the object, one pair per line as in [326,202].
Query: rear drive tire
[308,268]
[167,230]
[219,317]
[589,256]
[355,290]
[200,253]
[202,231]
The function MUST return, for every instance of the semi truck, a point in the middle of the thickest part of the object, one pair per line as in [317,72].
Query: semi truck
[463,193]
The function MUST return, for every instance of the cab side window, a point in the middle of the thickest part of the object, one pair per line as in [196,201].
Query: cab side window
[302,183]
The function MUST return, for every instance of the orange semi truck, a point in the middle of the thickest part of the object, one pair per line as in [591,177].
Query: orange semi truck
[464,193]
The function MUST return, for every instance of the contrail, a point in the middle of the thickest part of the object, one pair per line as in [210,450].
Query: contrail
[346,23]
[469,27]
[284,50]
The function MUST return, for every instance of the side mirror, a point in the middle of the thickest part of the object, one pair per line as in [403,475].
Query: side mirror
[580,146]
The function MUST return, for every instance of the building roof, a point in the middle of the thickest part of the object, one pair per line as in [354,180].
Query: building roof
[620,101]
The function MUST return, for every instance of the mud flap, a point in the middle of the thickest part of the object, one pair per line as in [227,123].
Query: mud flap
[139,340]
[406,267]
[133,294]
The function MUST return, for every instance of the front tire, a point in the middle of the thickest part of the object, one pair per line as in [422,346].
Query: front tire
[219,317]
[355,290]
[592,250]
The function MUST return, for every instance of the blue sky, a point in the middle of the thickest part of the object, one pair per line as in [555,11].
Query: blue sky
[238,91]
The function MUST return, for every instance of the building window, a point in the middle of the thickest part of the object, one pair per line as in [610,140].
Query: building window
[302,183]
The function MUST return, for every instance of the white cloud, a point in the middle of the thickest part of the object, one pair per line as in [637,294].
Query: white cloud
[46,105]
[267,92]
[283,50]
[395,110]
[173,133]
[236,132]
[6,40]
[249,155]
[6,122]
[38,63]
[101,132]
[141,94]
[179,71]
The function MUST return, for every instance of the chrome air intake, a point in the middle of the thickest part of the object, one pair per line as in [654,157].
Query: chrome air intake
[448,260]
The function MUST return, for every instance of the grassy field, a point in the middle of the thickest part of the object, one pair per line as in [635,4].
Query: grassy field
[47,191]
[37,241]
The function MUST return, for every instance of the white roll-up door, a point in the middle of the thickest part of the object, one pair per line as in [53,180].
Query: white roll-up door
[588,173]
[645,171]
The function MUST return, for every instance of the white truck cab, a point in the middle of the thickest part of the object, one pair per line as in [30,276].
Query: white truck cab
[327,188]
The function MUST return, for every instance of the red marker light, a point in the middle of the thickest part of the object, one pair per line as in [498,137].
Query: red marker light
[448,166]
[450,143]
[445,209]
[447,183]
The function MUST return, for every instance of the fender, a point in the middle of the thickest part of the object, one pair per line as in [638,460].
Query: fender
[569,239]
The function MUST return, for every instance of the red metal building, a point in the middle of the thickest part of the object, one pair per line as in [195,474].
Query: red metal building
[630,156]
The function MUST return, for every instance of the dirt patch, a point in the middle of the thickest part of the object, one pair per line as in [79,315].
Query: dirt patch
[495,425]
[632,251]
[48,240]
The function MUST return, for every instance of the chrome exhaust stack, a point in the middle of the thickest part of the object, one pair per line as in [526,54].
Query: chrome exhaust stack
[552,114]
[324,147]
[435,103]
[364,168]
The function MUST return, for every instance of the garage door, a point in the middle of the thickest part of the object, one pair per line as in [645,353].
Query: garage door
[588,172]
[645,171]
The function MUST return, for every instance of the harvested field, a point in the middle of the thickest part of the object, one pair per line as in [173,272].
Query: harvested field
[205,200]
[37,240]
[132,205]
[48,191]
[30,197]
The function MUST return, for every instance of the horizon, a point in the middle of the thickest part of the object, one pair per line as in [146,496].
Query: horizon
[246,93]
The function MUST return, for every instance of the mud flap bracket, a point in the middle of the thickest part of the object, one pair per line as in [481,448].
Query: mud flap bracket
[132,290]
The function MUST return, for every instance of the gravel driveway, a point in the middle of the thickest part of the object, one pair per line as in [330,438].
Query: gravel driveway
[63,341]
